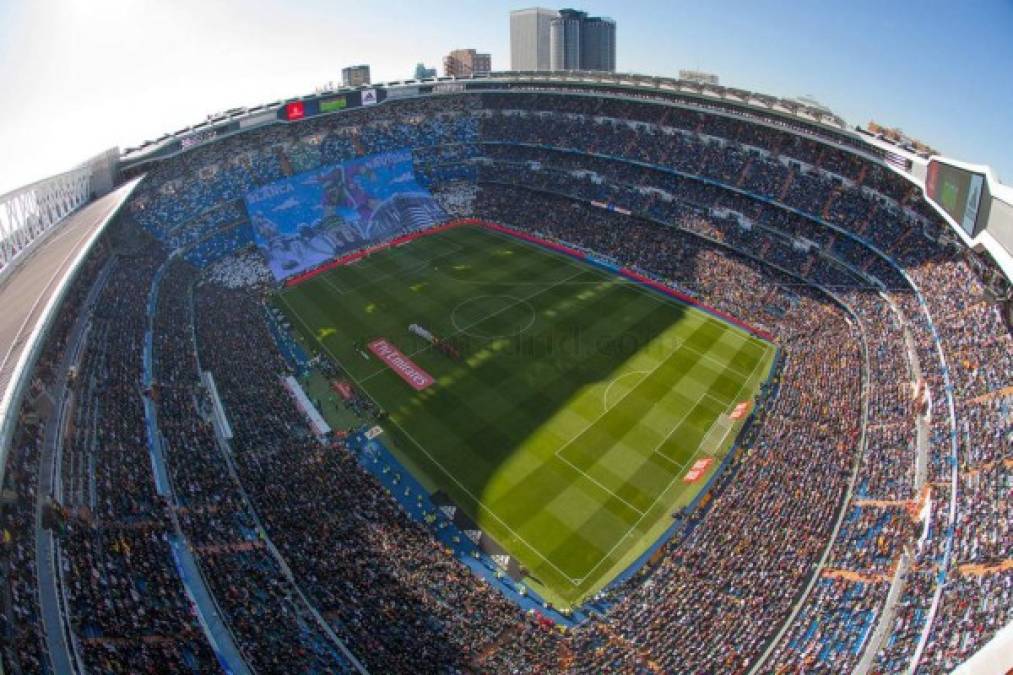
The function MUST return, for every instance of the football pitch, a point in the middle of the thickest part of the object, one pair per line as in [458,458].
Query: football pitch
[573,418]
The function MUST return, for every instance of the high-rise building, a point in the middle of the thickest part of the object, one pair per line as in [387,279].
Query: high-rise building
[464,62]
[529,38]
[598,44]
[564,40]
[423,73]
[353,76]
[581,42]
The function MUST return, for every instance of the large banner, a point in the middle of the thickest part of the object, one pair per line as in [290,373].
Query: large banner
[307,219]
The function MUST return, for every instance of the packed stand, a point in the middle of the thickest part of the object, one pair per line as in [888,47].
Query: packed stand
[126,602]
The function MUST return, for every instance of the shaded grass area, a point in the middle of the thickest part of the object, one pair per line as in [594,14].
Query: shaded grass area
[577,406]
[318,388]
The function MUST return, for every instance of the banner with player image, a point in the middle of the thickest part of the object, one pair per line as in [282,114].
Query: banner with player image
[305,220]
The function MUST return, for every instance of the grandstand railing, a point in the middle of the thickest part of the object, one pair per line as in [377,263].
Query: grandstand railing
[33,341]
[30,211]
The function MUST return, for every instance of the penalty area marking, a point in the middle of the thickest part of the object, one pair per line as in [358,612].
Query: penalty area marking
[679,473]
[675,477]
[608,387]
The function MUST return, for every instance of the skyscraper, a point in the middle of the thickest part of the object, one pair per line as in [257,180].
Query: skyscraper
[598,44]
[529,38]
[581,42]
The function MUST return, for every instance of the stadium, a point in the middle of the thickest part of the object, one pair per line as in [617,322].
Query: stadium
[521,372]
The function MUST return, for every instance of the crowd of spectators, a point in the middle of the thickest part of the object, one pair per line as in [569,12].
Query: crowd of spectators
[126,605]
[20,631]
[860,428]
[728,617]
[274,629]
[386,584]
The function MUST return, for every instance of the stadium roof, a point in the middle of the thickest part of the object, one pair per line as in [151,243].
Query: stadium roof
[32,292]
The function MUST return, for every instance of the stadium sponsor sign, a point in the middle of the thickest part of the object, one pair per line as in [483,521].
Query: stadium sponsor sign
[369,97]
[402,92]
[697,470]
[741,410]
[405,368]
[343,388]
[295,111]
[258,119]
[449,88]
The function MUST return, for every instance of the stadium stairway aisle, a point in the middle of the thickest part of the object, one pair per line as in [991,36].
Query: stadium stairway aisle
[207,610]
[218,634]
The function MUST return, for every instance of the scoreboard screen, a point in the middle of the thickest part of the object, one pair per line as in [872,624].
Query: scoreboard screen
[958,192]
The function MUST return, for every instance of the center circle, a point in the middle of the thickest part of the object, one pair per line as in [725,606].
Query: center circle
[509,316]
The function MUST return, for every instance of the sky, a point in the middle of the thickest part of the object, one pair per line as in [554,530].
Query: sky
[81,76]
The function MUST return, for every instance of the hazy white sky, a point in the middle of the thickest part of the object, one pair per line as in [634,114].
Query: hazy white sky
[80,76]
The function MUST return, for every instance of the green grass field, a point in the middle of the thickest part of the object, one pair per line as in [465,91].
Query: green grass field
[580,401]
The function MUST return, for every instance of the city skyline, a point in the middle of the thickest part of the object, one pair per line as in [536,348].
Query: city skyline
[110,73]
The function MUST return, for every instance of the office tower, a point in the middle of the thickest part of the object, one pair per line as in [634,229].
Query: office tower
[581,42]
[529,38]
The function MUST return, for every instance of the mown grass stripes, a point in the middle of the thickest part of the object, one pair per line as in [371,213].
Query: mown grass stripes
[579,402]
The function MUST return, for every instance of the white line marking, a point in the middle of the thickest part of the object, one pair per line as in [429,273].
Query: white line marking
[517,302]
[414,267]
[475,323]
[605,396]
[431,458]
[650,508]
[595,481]
[664,440]
[621,398]
[337,289]
[732,329]
[576,581]
[674,478]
